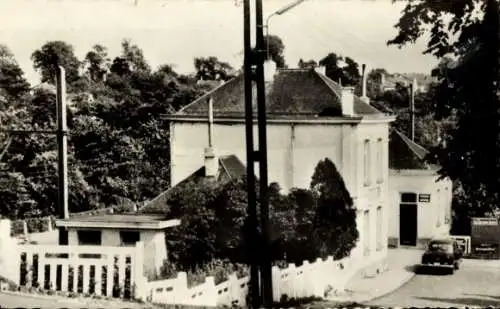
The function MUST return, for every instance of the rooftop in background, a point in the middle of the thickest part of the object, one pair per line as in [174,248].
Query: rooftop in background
[405,154]
[230,167]
[293,93]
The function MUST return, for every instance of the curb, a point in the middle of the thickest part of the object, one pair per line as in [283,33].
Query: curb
[480,263]
[402,282]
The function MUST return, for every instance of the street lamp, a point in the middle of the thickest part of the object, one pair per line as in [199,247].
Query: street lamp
[278,12]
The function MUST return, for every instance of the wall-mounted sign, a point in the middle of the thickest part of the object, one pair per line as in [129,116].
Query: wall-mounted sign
[484,221]
[424,198]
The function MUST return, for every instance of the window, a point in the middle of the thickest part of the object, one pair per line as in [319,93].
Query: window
[366,230]
[89,238]
[439,211]
[408,197]
[380,161]
[366,163]
[129,238]
[379,228]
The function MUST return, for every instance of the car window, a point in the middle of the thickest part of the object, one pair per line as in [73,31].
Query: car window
[441,246]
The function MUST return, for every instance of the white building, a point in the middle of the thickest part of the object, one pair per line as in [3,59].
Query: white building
[419,203]
[310,117]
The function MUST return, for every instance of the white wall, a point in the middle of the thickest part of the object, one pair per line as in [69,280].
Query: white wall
[439,207]
[293,150]
[155,248]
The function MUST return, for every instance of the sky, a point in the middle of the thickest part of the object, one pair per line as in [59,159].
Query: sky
[176,31]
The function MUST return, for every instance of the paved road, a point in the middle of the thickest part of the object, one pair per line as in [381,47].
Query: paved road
[29,301]
[469,286]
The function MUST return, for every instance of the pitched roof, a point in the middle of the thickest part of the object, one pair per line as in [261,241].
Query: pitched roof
[404,153]
[230,167]
[293,92]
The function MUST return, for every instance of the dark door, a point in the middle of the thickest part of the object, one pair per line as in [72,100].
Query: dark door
[408,224]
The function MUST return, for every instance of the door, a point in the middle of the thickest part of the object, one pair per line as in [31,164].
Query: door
[408,224]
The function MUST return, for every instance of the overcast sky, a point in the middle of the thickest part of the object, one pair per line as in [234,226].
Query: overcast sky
[176,31]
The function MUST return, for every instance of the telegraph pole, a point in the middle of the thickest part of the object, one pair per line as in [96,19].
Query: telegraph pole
[62,144]
[261,50]
[252,223]
[412,110]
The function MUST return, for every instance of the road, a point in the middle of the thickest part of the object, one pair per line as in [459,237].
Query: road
[469,286]
[34,301]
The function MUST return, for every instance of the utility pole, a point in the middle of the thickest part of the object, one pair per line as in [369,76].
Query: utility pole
[62,144]
[252,223]
[254,72]
[412,109]
[261,50]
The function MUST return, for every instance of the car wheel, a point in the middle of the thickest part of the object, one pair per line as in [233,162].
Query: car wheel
[452,270]
[456,265]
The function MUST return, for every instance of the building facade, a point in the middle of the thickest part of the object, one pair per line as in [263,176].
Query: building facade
[419,202]
[310,118]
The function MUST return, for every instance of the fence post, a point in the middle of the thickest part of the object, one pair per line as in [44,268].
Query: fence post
[276,275]
[139,280]
[49,224]
[180,289]
[210,292]
[10,259]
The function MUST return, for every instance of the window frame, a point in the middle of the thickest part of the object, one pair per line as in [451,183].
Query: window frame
[366,163]
[80,233]
[127,243]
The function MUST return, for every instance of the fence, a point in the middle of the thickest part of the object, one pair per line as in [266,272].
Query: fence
[309,279]
[91,270]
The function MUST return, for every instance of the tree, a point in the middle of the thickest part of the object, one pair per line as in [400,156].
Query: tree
[342,69]
[335,218]
[52,54]
[212,69]
[307,64]
[12,80]
[97,63]
[467,91]
[276,49]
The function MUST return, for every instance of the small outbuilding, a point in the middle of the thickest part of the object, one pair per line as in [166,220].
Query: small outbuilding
[419,203]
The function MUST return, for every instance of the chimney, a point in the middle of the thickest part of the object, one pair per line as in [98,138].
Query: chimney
[364,77]
[347,101]
[269,70]
[320,69]
[211,160]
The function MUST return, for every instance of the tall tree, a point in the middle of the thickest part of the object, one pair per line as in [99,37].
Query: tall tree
[97,63]
[343,69]
[212,68]
[131,60]
[469,91]
[12,81]
[52,54]
[276,49]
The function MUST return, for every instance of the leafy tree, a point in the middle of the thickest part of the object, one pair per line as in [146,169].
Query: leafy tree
[335,217]
[212,69]
[468,91]
[52,54]
[97,63]
[343,69]
[276,49]
[12,81]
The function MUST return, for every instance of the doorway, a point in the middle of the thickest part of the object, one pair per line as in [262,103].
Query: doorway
[408,219]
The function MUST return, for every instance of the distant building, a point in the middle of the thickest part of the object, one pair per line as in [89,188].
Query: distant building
[419,204]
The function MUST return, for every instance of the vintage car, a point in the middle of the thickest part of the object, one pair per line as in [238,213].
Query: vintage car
[443,252]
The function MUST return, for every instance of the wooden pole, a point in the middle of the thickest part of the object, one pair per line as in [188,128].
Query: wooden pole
[62,143]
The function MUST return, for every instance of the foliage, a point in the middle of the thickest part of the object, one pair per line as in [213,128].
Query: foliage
[467,92]
[55,53]
[12,82]
[212,69]
[275,48]
[343,69]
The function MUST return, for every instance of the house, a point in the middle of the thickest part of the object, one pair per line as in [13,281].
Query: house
[309,117]
[419,204]
[122,230]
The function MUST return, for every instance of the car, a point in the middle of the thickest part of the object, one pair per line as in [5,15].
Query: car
[443,252]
